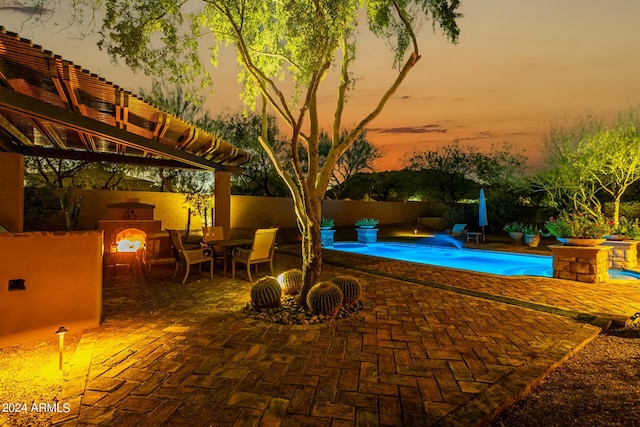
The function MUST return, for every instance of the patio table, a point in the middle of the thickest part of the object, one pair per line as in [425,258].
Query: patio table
[228,244]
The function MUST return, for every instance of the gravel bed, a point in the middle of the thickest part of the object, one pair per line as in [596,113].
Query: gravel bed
[292,313]
[598,386]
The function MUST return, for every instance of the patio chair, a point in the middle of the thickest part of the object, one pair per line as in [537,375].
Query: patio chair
[261,252]
[188,257]
[209,237]
[458,231]
[157,250]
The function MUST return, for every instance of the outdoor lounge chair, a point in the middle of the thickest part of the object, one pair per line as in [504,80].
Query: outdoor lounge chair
[458,231]
[261,252]
[187,257]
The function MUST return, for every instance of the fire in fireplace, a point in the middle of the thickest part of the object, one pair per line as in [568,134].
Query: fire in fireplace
[130,240]
[126,228]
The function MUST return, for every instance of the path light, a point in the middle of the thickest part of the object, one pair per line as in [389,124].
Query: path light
[415,232]
[60,332]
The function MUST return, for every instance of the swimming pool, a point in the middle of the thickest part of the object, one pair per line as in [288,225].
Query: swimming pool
[484,261]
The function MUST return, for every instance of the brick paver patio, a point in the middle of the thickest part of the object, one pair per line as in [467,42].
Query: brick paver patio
[422,352]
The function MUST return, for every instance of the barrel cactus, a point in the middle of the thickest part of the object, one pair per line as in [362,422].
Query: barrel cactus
[325,298]
[291,281]
[350,287]
[266,293]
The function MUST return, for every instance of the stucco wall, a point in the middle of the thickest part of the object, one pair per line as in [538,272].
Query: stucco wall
[11,191]
[62,275]
[252,211]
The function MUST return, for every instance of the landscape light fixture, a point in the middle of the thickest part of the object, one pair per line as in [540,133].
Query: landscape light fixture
[60,332]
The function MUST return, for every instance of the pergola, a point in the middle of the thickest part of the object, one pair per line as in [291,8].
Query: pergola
[50,107]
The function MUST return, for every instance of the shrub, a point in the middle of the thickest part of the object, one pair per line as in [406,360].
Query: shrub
[326,222]
[366,222]
[266,293]
[325,298]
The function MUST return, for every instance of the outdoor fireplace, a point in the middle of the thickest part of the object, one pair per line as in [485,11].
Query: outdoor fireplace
[125,230]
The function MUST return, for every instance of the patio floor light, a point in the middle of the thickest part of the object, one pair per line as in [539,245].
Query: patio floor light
[60,332]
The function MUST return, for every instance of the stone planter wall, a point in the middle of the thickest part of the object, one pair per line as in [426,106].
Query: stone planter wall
[326,237]
[367,235]
[624,254]
[589,264]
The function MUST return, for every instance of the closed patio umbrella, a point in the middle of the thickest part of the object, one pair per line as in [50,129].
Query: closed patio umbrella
[482,213]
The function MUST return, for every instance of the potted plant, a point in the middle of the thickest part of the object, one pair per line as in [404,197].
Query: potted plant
[326,232]
[326,223]
[366,223]
[516,231]
[625,229]
[532,235]
[367,233]
[578,229]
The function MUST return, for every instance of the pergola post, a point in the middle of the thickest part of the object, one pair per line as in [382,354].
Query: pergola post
[222,203]
[12,191]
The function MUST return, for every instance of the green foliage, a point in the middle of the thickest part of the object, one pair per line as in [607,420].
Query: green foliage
[532,229]
[578,225]
[366,222]
[514,227]
[358,158]
[260,177]
[298,41]
[589,160]
[453,216]
[326,222]
[41,209]
[457,170]
[626,227]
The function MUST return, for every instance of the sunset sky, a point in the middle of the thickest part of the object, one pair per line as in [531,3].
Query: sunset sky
[519,66]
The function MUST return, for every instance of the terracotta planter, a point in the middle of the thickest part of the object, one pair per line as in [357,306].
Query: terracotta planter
[532,240]
[570,241]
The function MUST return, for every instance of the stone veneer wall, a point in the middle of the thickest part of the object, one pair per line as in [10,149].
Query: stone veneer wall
[583,264]
[624,254]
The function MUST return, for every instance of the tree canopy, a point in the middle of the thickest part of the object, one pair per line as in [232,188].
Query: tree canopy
[295,41]
[589,161]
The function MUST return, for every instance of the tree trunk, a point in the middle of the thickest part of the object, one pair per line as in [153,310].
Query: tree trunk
[311,249]
[616,210]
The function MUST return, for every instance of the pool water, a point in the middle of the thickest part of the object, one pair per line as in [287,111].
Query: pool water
[501,263]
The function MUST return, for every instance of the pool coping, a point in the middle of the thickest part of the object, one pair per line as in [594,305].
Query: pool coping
[604,323]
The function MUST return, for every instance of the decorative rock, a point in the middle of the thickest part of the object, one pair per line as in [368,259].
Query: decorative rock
[266,293]
[350,287]
[325,299]
[291,281]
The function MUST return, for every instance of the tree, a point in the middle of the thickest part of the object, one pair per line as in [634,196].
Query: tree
[55,173]
[259,177]
[590,160]
[358,158]
[293,40]
[454,166]
[184,104]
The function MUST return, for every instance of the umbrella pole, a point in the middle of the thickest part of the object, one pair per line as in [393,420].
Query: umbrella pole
[483,239]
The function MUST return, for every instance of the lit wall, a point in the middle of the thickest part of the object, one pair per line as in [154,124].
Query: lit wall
[62,275]
[252,211]
[11,191]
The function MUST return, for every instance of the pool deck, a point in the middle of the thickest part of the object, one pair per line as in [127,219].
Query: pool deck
[432,346]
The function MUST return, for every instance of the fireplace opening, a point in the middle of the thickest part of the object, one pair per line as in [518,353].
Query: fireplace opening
[130,240]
